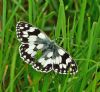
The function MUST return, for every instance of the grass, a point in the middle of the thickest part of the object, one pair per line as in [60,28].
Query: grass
[76,27]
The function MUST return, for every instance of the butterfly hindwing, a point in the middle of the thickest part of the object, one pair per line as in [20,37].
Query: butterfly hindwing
[52,56]
[28,53]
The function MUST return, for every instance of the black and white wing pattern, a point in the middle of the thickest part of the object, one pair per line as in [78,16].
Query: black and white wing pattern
[42,53]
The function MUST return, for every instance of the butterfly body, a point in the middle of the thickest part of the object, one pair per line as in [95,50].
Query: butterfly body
[53,57]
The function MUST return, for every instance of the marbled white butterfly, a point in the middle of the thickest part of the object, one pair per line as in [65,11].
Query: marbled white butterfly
[42,53]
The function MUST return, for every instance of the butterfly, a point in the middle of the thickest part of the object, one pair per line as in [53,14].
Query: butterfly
[41,53]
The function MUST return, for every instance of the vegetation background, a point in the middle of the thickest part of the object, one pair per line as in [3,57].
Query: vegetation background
[75,24]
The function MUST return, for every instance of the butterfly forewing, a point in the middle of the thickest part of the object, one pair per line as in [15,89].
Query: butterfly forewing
[28,34]
[52,57]
[64,63]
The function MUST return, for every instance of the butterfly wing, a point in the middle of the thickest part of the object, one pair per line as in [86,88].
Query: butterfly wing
[28,52]
[63,63]
[32,40]
[28,34]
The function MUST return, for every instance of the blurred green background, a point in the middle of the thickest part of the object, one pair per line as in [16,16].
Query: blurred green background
[75,24]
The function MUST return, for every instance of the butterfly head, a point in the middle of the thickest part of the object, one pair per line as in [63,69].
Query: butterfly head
[52,45]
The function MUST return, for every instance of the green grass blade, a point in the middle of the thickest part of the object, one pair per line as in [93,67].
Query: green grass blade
[12,71]
[59,20]
[61,24]
[2,37]
[30,10]
[81,21]
[88,56]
